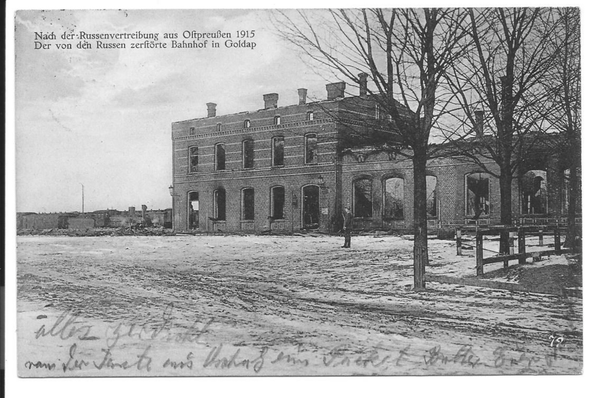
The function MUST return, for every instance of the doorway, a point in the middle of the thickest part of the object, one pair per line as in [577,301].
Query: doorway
[310,207]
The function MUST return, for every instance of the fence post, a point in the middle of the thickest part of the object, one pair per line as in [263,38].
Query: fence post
[541,232]
[511,246]
[557,240]
[521,238]
[458,242]
[479,253]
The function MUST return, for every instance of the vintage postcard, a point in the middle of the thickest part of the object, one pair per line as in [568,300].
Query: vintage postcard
[244,192]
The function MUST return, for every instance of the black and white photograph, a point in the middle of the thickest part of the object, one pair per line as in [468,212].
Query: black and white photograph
[299,192]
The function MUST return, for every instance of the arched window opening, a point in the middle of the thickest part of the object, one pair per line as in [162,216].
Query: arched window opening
[220,157]
[534,198]
[248,204]
[393,198]
[477,186]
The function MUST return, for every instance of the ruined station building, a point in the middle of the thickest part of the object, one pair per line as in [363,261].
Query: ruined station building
[293,168]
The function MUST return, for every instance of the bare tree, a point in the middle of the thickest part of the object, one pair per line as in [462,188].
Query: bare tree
[501,77]
[406,52]
[563,88]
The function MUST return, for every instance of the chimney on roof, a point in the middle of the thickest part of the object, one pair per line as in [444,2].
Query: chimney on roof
[362,81]
[271,100]
[479,124]
[211,109]
[302,96]
[335,90]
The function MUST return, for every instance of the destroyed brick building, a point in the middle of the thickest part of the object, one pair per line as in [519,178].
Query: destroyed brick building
[290,168]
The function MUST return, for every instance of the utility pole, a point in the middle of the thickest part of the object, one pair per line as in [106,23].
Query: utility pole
[82,199]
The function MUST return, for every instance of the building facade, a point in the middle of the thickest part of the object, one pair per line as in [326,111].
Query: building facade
[290,168]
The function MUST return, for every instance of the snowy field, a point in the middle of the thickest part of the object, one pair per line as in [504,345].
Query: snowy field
[281,305]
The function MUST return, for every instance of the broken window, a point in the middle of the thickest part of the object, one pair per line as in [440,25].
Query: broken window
[432,204]
[277,202]
[220,157]
[477,187]
[193,159]
[278,151]
[248,204]
[534,199]
[393,201]
[248,154]
[193,210]
[363,200]
[310,145]
[220,204]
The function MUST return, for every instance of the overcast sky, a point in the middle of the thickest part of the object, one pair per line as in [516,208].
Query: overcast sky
[102,118]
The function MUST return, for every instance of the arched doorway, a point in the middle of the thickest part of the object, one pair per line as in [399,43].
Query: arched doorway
[310,207]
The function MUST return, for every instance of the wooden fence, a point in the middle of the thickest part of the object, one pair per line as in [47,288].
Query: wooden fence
[520,233]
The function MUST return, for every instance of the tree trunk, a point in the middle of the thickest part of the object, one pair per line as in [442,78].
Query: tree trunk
[572,239]
[421,259]
[505,206]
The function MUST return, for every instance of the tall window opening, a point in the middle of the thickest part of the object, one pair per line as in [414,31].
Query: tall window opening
[248,204]
[218,127]
[193,159]
[220,157]
[247,123]
[277,202]
[393,200]
[310,144]
[220,204]
[193,210]
[310,116]
[363,198]
[432,200]
[248,154]
[277,120]
[477,187]
[534,199]
[278,151]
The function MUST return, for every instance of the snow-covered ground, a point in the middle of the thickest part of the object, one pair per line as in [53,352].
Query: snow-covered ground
[280,305]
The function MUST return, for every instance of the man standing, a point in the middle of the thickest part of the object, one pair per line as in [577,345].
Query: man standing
[347,227]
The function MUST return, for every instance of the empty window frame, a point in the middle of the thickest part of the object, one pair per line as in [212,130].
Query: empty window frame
[220,157]
[393,198]
[534,198]
[277,120]
[277,202]
[477,197]
[218,127]
[220,200]
[246,123]
[432,199]
[192,130]
[363,198]
[310,146]
[248,154]
[278,151]
[310,116]
[248,204]
[193,159]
